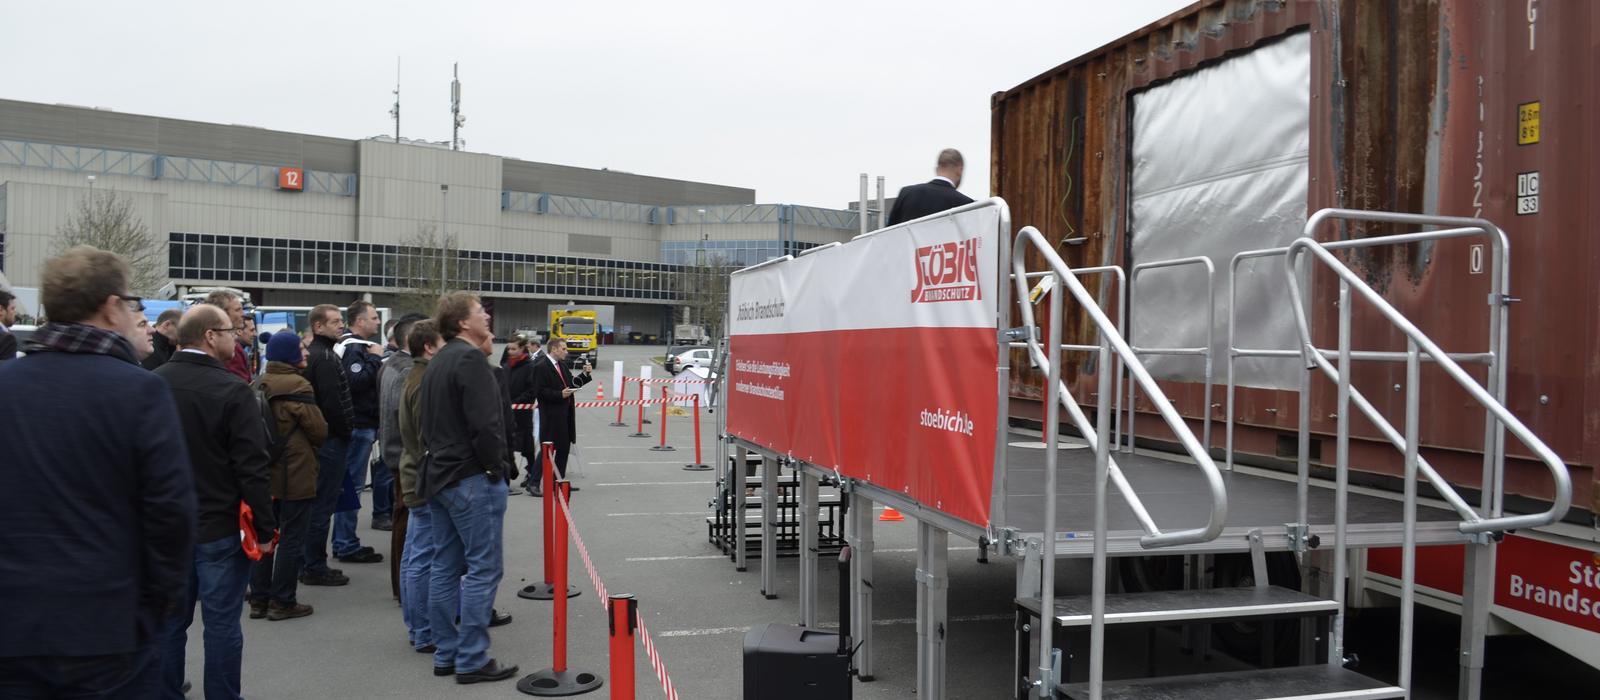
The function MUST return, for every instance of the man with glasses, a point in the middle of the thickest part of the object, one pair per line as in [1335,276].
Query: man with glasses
[114,557]
[227,446]
[229,302]
[333,397]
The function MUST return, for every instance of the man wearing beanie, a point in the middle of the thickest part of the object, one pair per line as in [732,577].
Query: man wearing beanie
[293,444]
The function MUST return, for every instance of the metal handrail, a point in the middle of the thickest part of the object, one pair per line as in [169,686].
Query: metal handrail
[1206,352]
[1219,496]
[1312,358]
[1122,325]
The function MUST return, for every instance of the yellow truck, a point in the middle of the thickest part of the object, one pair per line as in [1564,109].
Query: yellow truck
[581,329]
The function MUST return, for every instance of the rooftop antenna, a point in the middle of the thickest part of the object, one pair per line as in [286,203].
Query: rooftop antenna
[455,111]
[396,111]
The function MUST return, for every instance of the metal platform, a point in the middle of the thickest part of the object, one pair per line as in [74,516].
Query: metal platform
[1321,682]
[1166,607]
[1176,495]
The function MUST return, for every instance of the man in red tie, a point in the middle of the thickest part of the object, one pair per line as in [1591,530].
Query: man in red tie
[553,386]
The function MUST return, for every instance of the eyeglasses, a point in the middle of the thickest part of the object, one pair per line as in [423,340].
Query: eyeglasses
[134,303]
[222,330]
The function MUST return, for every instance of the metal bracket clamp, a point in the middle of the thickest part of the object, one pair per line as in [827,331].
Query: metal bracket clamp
[1501,299]
[931,581]
[1486,538]
[1009,543]
[1019,334]
[1300,538]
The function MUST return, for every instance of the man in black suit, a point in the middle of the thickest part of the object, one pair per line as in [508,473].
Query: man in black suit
[553,387]
[938,194]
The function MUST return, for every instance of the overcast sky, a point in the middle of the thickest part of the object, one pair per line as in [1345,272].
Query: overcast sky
[794,100]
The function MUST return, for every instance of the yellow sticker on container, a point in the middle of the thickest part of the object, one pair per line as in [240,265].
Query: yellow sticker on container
[1527,123]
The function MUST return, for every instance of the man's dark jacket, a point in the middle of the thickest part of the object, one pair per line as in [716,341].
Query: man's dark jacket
[512,443]
[329,386]
[8,345]
[558,422]
[96,506]
[932,197]
[163,352]
[361,375]
[463,424]
[227,443]
[521,385]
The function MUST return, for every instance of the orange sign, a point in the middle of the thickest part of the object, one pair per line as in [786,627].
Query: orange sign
[291,179]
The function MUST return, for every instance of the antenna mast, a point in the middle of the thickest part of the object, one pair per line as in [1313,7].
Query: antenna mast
[455,111]
[396,111]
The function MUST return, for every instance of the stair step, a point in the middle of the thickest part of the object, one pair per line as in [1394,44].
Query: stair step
[1319,682]
[1159,607]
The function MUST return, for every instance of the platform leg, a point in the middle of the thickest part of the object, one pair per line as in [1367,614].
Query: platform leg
[1476,588]
[933,555]
[1028,586]
[769,533]
[738,529]
[862,516]
[808,548]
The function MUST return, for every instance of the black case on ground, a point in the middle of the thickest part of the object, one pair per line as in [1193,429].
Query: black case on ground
[785,662]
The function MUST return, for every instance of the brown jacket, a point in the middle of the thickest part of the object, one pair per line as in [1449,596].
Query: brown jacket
[411,433]
[300,455]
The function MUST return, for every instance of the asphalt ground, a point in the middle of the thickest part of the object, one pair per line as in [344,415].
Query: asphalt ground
[643,520]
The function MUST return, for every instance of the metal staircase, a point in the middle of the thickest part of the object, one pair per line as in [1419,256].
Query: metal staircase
[1328,680]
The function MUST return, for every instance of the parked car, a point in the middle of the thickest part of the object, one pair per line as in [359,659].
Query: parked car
[691,356]
[22,333]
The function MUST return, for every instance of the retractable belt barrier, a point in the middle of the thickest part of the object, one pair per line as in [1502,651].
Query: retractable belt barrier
[622,616]
[694,397]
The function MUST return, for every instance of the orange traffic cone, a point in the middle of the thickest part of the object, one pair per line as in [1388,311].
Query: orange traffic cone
[891,515]
[600,393]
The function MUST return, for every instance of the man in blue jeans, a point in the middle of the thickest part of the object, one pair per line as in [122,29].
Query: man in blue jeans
[464,476]
[227,444]
[333,398]
[360,359]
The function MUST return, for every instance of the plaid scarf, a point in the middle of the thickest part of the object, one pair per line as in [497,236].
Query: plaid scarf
[81,339]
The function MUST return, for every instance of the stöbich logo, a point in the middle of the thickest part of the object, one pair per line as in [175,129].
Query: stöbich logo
[947,272]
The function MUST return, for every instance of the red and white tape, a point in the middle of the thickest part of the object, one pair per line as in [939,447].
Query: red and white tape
[600,404]
[600,591]
[664,381]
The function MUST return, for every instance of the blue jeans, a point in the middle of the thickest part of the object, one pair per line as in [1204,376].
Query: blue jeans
[345,541]
[221,571]
[416,576]
[330,479]
[468,521]
[110,677]
[382,491]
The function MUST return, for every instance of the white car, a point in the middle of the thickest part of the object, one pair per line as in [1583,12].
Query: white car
[691,357]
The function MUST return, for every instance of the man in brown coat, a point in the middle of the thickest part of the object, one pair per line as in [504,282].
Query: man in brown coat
[416,556]
[293,475]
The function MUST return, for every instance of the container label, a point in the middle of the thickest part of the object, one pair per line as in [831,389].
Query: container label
[1528,193]
[1527,123]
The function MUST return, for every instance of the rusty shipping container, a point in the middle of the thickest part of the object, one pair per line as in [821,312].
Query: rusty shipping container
[1476,108]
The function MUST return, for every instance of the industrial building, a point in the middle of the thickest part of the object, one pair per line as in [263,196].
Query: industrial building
[297,219]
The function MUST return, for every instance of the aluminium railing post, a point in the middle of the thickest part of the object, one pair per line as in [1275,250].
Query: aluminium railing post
[1408,564]
[1303,439]
[1498,341]
[1102,467]
[1342,480]
[1052,429]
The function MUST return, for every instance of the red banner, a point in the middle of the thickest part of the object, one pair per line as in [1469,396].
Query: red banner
[877,359]
[1544,579]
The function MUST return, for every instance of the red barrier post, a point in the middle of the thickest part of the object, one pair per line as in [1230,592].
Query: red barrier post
[699,465]
[622,395]
[666,402]
[558,680]
[545,590]
[623,613]
[560,638]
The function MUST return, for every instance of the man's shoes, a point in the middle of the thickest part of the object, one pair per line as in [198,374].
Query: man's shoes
[365,555]
[573,488]
[187,686]
[514,491]
[499,619]
[444,670]
[384,524]
[428,649]
[536,492]
[492,671]
[283,612]
[332,578]
[258,609]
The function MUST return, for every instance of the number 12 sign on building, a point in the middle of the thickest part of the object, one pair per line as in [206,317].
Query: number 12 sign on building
[292,179]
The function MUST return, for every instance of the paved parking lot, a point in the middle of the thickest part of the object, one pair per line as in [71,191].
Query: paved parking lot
[643,520]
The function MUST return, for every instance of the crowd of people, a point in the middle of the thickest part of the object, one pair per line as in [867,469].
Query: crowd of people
[190,463]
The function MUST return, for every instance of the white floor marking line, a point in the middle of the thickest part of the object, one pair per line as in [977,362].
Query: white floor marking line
[897,621]
[657,463]
[696,556]
[659,483]
[625,515]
